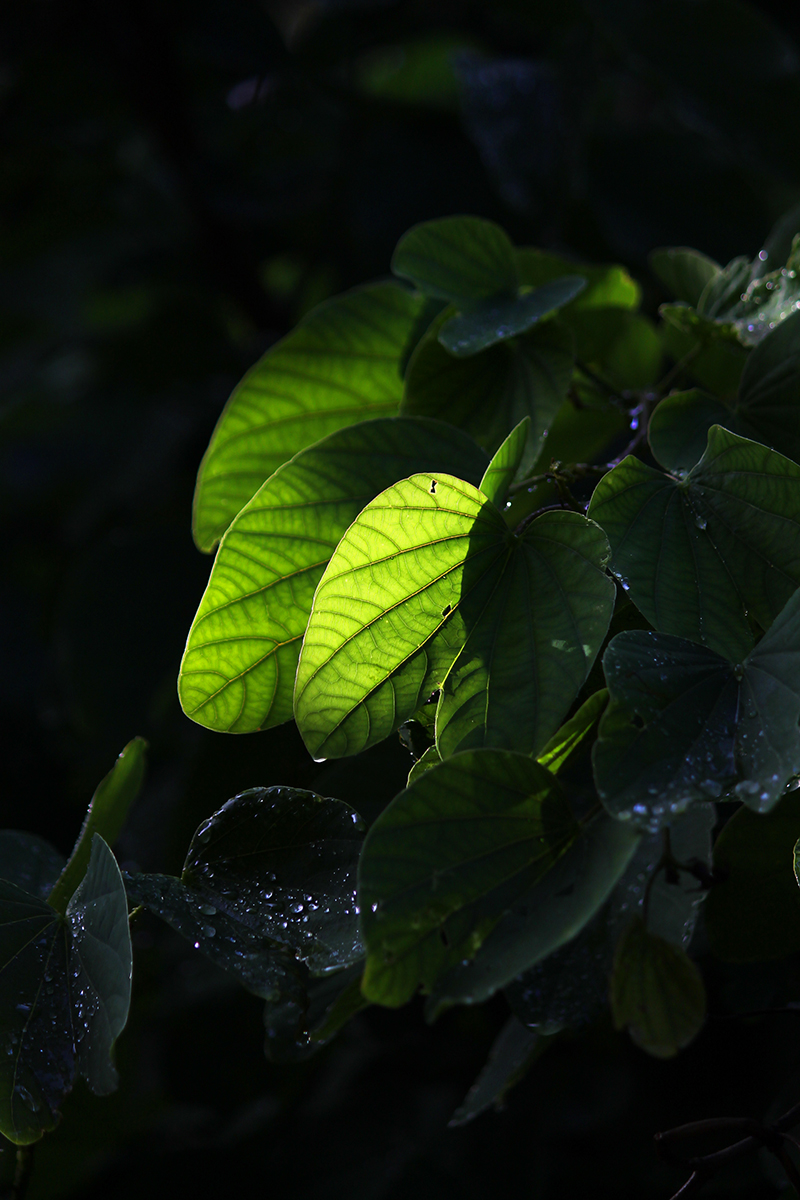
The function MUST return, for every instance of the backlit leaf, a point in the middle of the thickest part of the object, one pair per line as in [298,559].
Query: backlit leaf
[500,472]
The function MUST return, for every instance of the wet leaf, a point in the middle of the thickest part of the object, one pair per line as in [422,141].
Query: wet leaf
[426,566]
[515,1050]
[457,258]
[488,395]
[657,993]
[686,725]
[240,661]
[445,861]
[64,995]
[297,1029]
[495,320]
[685,272]
[753,909]
[699,554]
[107,812]
[342,364]
[29,862]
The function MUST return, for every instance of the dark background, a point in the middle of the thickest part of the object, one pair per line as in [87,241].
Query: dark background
[180,182]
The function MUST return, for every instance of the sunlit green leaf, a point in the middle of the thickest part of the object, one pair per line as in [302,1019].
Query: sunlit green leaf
[686,725]
[685,272]
[495,320]
[239,665]
[445,861]
[573,734]
[343,363]
[500,472]
[701,553]
[106,815]
[487,396]
[753,909]
[427,565]
[457,258]
[657,993]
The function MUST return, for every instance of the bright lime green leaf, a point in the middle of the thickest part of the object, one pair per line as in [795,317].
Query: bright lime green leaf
[343,363]
[457,258]
[606,287]
[499,475]
[551,913]
[573,733]
[488,395]
[407,566]
[240,661]
[495,320]
[699,554]
[514,1052]
[531,649]
[428,569]
[752,912]
[106,815]
[445,861]
[686,725]
[64,995]
[657,993]
[685,272]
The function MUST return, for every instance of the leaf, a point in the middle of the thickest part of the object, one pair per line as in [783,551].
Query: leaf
[548,915]
[457,258]
[429,759]
[64,995]
[753,909]
[488,395]
[499,475]
[685,725]
[701,553]
[107,812]
[342,364]
[572,735]
[240,661]
[445,861]
[29,862]
[657,993]
[426,565]
[767,409]
[278,862]
[685,272]
[606,286]
[295,1030]
[716,365]
[530,651]
[494,320]
[514,1051]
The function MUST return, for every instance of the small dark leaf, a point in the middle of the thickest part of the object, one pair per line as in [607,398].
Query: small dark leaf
[29,862]
[495,320]
[515,1050]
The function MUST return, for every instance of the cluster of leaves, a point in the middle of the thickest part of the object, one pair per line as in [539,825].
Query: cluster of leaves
[466,505]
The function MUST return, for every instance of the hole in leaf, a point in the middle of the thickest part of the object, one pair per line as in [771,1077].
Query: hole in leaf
[637,721]
[444,937]
[433,487]
[447,609]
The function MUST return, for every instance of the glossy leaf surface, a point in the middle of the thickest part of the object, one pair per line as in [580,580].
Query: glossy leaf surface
[240,661]
[698,554]
[657,993]
[457,258]
[342,364]
[447,859]
[686,725]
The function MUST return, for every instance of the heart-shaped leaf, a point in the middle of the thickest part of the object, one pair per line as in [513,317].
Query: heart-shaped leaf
[495,320]
[65,985]
[685,272]
[701,553]
[685,724]
[427,565]
[240,661]
[457,258]
[343,363]
[445,861]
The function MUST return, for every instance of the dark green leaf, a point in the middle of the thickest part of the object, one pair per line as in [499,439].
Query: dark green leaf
[753,909]
[678,430]
[445,861]
[686,725]
[240,661]
[700,553]
[30,862]
[685,272]
[487,396]
[514,1051]
[716,365]
[499,475]
[657,992]
[495,320]
[572,735]
[342,364]
[457,258]
[297,1026]
[106,815]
